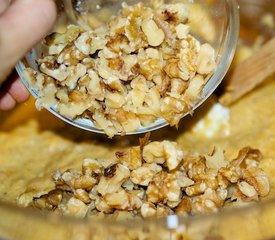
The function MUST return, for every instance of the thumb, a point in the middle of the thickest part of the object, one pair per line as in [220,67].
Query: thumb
[23,25]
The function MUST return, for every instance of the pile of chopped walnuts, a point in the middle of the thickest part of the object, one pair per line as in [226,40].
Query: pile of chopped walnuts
[157,179]
[142,66]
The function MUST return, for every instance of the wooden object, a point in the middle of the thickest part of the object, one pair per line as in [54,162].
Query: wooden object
[250,73]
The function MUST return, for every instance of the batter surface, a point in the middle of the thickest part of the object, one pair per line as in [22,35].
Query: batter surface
[34,144]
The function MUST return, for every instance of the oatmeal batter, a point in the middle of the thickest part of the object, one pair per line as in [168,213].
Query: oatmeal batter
[34,144]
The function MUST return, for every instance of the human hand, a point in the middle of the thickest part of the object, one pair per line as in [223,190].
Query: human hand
[22,24]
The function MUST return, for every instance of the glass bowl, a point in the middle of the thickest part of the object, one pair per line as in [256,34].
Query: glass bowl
[251,223]
[215,22]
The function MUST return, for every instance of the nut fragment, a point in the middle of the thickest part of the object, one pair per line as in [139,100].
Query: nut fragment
[82,195]
[247,189]
[144,175]
[192,93]
[173,156]
[155,35]
[130,158]
[206,59]
[148,210]
[91,167]
[60,74]
[76,208]
[217,160]
[177,13]
[123,200]
[183,180]
[164,187]
[84,182]
[263,186]
[182,30]
[153,152]
[113,179]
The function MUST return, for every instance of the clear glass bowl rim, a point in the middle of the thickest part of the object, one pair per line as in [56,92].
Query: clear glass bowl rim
[161,222]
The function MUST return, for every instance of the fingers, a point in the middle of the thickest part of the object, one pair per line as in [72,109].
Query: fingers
[7,102]
[18,91]
[13,92]
[22,25]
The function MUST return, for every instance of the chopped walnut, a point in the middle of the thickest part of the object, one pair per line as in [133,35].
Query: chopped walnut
[258,179]
[91,167]
[194,89]
[247,189]
[84,182]
[144,175]
[183,180]
[153,152]
[173,156]
[184,207]
[163,152]
[48,201]
[122,200]
[142,65]
[207,202]
[82,195]
[155,179]
[112,179]
[216,161]
[155,35]
[175,13]
[60,74]
[182,30]
[163,187]
[131,158]
[206,60]
[76,208]
[148,210]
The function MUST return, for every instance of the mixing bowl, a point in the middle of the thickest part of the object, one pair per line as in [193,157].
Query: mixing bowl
[250,223]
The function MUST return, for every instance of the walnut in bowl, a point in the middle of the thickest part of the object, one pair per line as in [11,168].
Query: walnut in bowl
[146,67]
